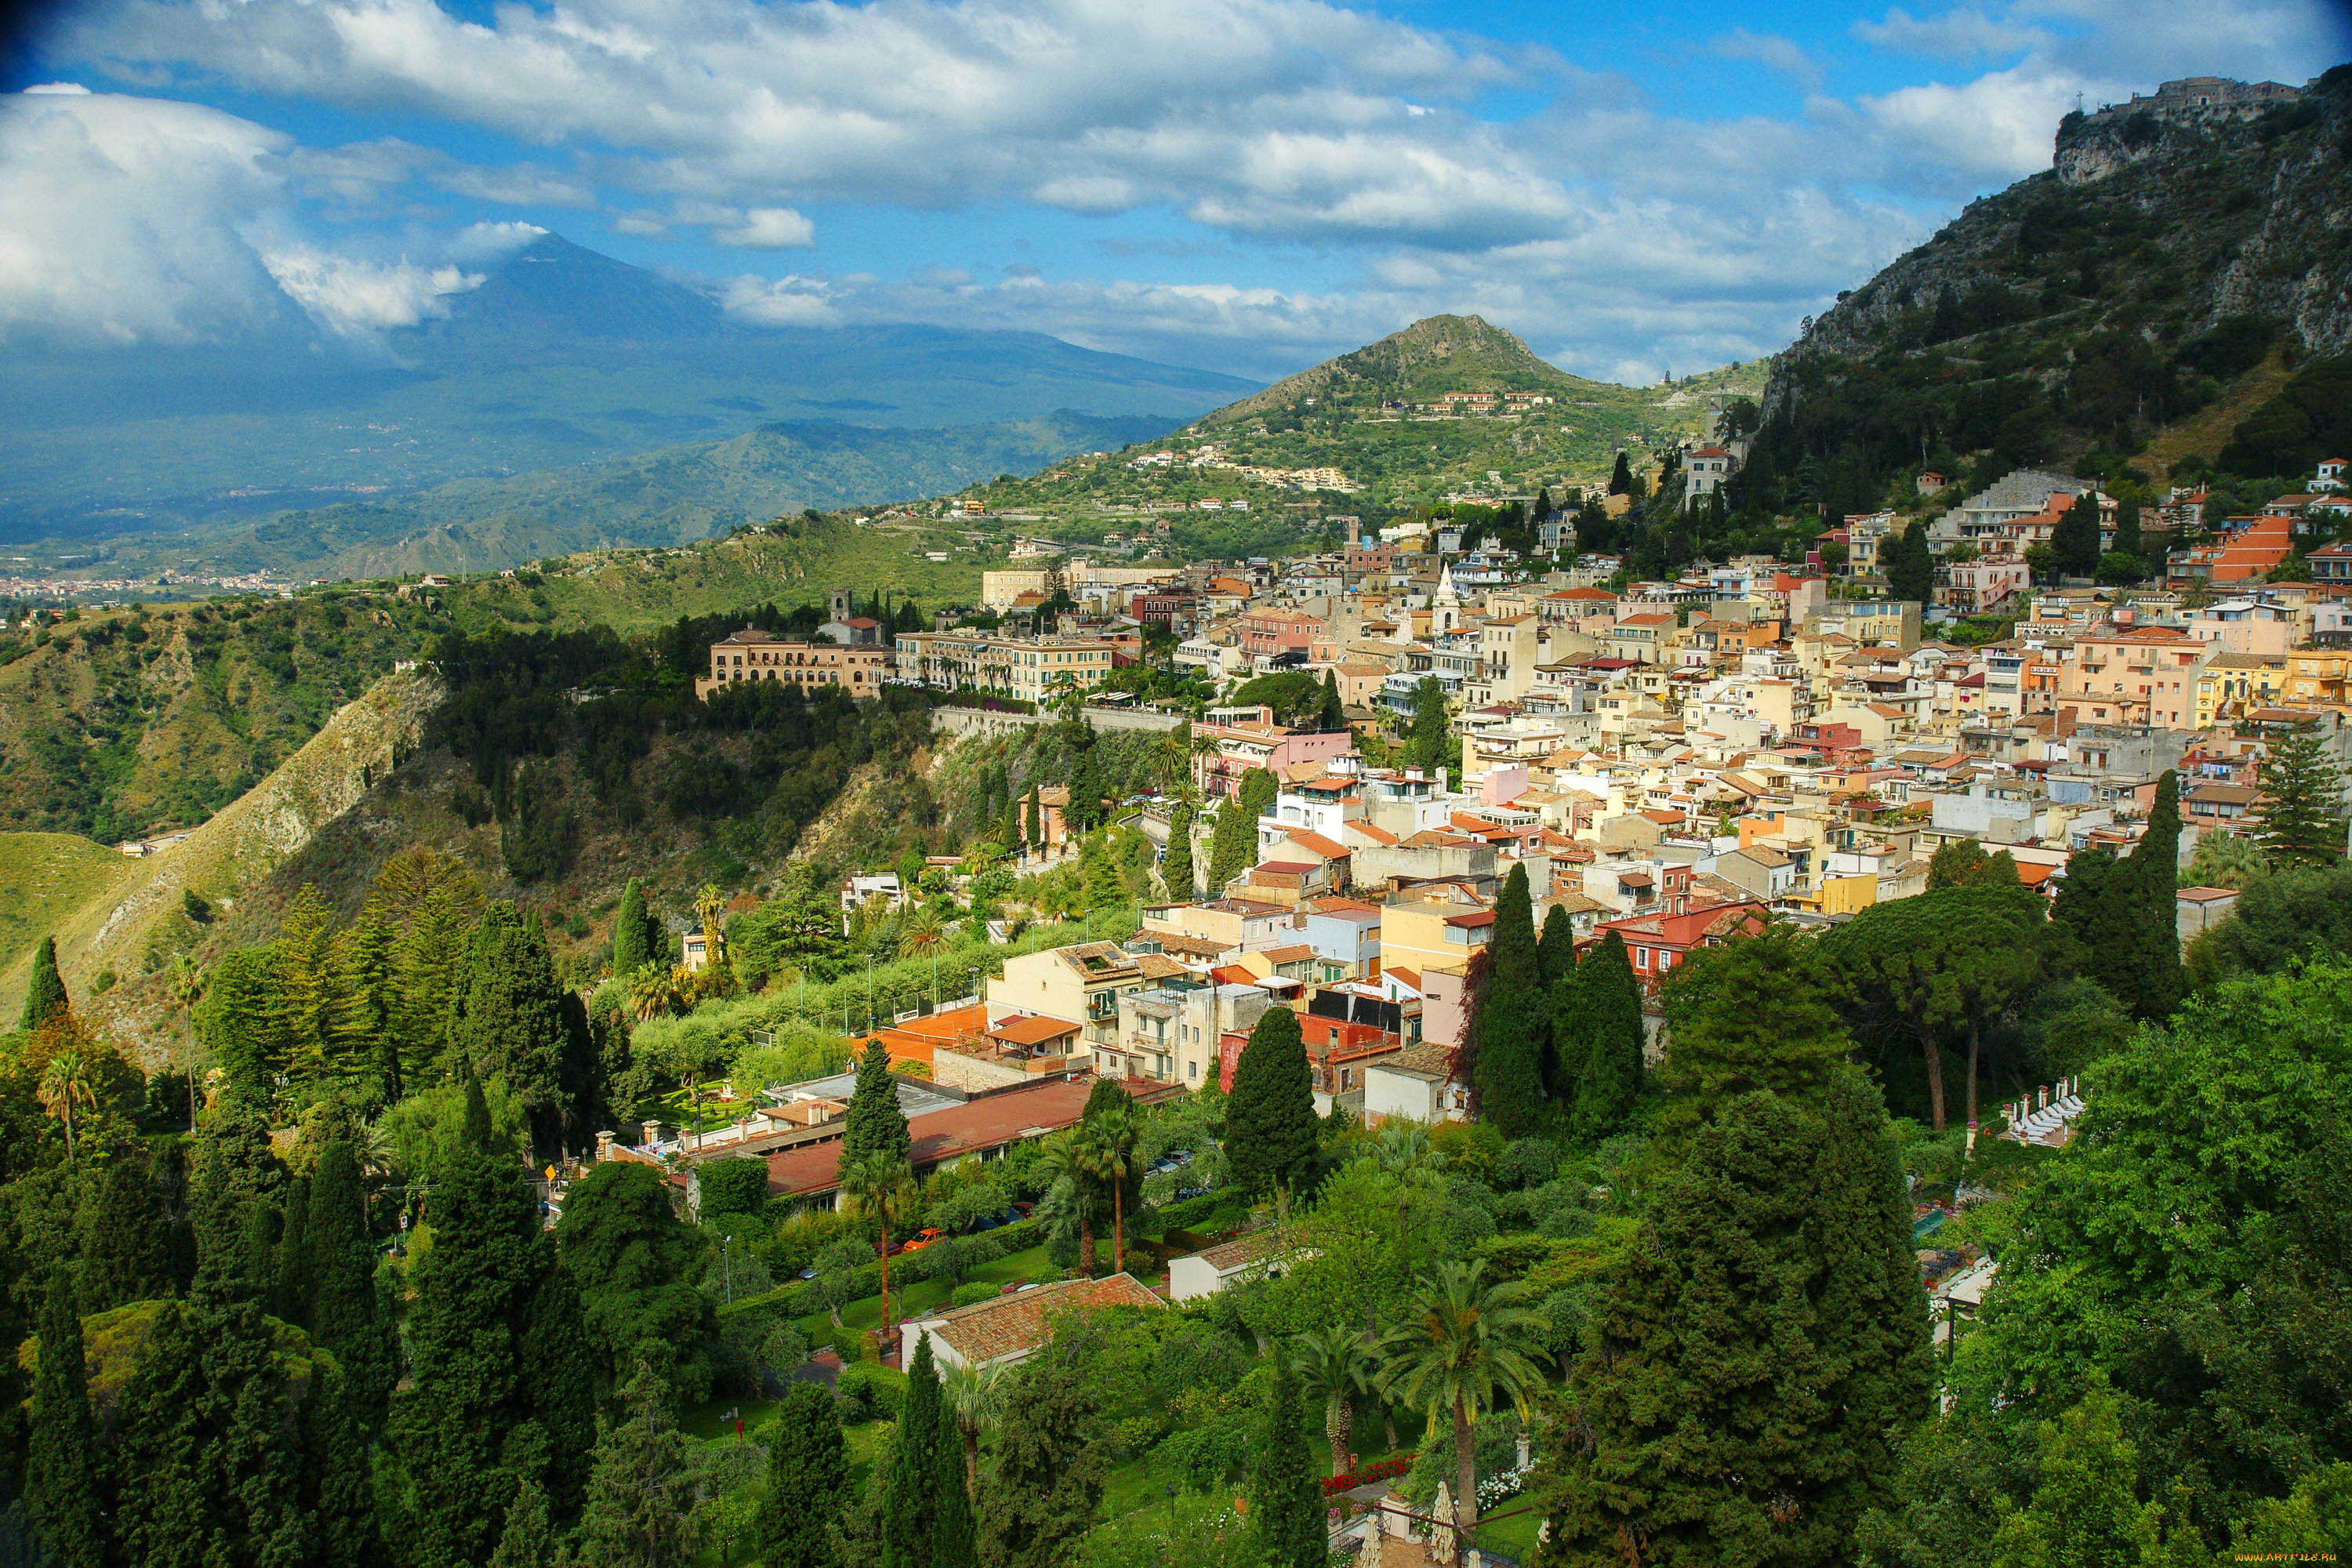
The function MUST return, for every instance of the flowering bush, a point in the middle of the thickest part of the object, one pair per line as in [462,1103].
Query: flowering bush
[1381,1471]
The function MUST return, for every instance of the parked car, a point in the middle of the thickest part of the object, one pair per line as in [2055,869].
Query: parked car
[923,1238]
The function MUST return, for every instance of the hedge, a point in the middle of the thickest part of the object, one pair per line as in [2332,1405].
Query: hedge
[803,1299]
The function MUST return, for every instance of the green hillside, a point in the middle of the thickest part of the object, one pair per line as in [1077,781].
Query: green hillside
[1367,414]
[44,877]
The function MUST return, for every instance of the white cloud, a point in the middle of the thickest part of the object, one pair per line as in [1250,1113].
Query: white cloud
[355,298]
[770,228]
[59,89]
[1780,54]
[485,242]
[1961,34]
[118,215]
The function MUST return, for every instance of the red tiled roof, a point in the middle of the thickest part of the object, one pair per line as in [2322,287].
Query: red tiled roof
[1016,1324]
[1033,1031]
[984,1123]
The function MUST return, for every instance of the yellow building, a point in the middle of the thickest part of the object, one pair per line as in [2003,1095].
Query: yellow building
[2236,681]
[1433,925]
[2319,678]
[1078,984]
[1840,895]
[1036,670]
[754,654]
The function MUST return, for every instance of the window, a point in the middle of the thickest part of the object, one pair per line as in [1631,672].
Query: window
[1195,1067]
[1641,957]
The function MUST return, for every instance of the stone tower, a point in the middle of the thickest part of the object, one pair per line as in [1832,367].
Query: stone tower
[844,604]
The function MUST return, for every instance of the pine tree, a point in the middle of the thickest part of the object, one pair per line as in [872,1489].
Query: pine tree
[123,1250]
[430,970]
[2074,539]
[2147,977]
[449,1424]
[1509,1028]
[1712,1394]
[1756,1013]
[1176,871]
[62,1464]
[2303,810]
[45,993]
[874,1124]
[1556,952]
[344,1313]
[241,1020]
[908,1497]
[1334,715]
[232,1197]
[631,949]
[511,1023]
[1270,1123]
[640,1512]
[808,1479]
[364,1035]
[1286,1518]
[1602,1041]
[309,981]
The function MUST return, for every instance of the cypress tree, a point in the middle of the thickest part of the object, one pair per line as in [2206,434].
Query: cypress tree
[2148,978]
[338,1474]
[1334,714]
[47,992]
[344,1313]
[511,1024]
[1259,790]
[1508,1029]
[630,950]
[1604,1040]
[2127,535]
[61,1460]
[564,1382]
[1049,1462]
[1426,738]
[2093,905]
[1710,1400]
[808,1479]
[906,1496]
[231,1198]
[2075,539]
[124,1254]
[1620,478]
[954,1544]
[1176,871]
[874,1124]
[290,1294]
[449,1426]
[1232,844]
[1270,1123]
[429,971]
[1008,829]
[1756,1013]
[1287,1517]
[1556,952]
[1033,823]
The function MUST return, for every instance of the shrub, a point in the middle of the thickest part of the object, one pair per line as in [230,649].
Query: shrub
[851,1346]
[732,1186]
[971,1295]
[1527,1163]
[871,1390]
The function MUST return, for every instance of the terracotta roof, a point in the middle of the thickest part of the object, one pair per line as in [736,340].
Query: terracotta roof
[939,1135]
[1315,843]
[1159,966]
[1033,1031]
[1017,1324]
[1197,946]
[1295,953]
[1247,1247]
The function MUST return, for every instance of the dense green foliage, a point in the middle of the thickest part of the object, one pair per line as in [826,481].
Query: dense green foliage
[1270,1125]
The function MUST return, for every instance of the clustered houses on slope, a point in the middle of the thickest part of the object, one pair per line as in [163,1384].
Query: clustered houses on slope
[1673,760]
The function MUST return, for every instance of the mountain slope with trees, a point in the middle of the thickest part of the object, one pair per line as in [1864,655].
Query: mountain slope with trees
[2067,320]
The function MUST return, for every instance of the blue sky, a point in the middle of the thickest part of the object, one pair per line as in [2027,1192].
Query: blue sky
[1244,184]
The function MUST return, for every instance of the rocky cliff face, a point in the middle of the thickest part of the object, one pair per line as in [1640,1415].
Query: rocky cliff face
[2162,218]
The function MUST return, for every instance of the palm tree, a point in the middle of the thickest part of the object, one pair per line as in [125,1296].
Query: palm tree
[657,992]
[1059,1162]
[975,1393]
[1106,1149]
[708,904]
[1336,1361]
[1467,1345]
[923,937]
[69,1081]
[1404,1151]
[882,1188]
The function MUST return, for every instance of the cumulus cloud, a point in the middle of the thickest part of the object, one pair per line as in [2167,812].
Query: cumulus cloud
[770,228]
[354,298]
[120,217]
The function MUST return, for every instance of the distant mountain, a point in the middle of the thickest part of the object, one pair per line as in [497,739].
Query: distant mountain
[1434,356]
[2181,254]
[672,495]
[561,357]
